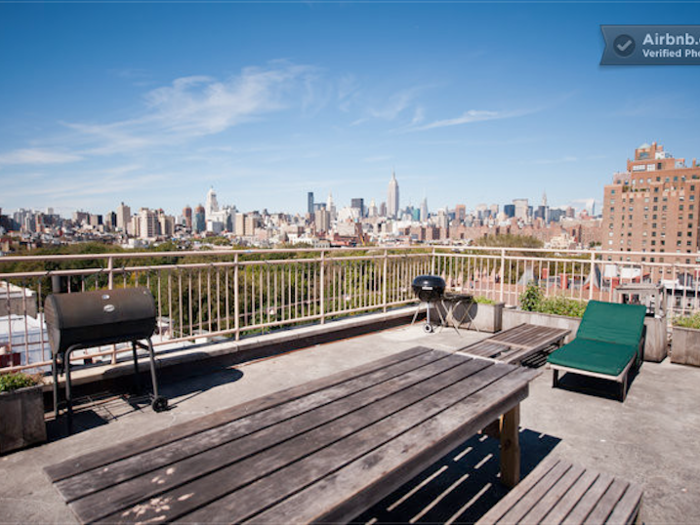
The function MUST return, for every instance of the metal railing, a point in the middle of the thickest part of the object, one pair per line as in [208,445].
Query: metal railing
[233,294]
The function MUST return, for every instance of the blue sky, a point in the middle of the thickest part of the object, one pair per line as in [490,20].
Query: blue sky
[153,103]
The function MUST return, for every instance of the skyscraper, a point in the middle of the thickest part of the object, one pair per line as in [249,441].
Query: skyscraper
[358,204]
[200,221]
[392,207]
[521,209]
[123,217]
[187,214]
[310,203]
[424,210]
[330,206]
[212,204]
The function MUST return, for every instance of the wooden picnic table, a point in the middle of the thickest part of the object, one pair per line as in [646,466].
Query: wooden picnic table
[323,451]
[518,343]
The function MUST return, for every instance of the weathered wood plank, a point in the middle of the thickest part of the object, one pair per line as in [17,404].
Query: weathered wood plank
[604,507]
[517,343]
[514,496]
[114,453]
[353,394]
[270,448]
[590,499]
[372,477]
[403,408]
[572,496]
[538,513]
[559,492]
[629,506]
[529,500]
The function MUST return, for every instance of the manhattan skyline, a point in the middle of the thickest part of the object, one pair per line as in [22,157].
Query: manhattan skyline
[151,104]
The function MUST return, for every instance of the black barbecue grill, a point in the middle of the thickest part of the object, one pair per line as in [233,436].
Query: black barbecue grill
[430,290]
[83,320]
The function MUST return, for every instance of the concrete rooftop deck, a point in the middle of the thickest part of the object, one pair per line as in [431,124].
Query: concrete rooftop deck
[651,439]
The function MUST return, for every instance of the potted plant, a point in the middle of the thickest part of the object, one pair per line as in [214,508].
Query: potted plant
[21,411]
[535,308]
[685,340]
[486,315]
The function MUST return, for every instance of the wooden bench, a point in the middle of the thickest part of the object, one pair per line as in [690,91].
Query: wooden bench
[518,343]
[558,491]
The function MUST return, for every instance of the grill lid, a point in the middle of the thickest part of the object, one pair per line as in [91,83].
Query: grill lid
[428,287]
[98,318]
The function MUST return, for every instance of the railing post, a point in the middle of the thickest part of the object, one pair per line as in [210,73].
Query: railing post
[432,263]
[503,275]
[591,278]
[110,285]
[236,294]
[385,279]
[110,273]
[323,286]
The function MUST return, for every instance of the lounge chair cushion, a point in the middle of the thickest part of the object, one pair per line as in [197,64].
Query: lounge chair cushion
[620,324]
[594,356]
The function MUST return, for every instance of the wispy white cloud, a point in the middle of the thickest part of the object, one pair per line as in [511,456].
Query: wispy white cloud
[113,181]
[31,156]
[197,106]
[394,106]
[472,116]
[348,92]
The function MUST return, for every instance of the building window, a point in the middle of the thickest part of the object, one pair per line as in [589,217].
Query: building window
[680,207]
[653,242]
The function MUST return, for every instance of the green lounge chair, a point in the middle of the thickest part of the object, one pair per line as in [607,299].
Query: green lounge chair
[608,343]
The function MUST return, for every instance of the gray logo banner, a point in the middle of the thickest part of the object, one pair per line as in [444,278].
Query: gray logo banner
[652,45]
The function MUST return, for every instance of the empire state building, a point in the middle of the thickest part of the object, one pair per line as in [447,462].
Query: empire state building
[392,206]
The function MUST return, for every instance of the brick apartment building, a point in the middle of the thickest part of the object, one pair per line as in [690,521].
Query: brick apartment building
[653,207]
